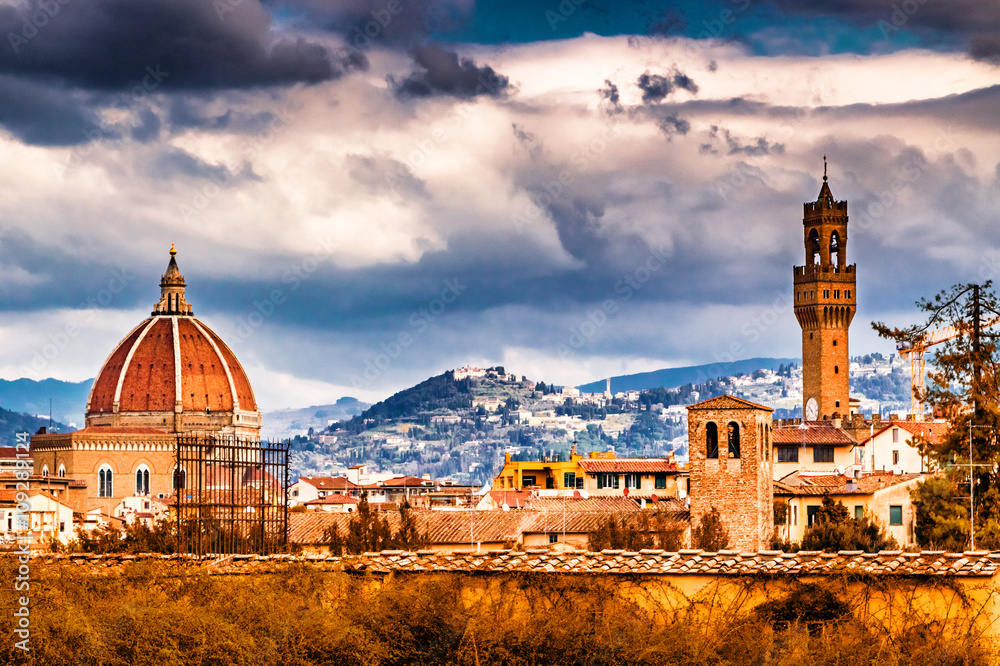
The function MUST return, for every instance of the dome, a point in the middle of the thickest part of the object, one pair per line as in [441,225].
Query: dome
[174,373]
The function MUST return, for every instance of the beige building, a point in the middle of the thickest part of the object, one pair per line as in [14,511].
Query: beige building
[893,446]
[818,446]
[885,497]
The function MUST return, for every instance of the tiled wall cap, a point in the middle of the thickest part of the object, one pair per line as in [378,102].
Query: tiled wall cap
[849,553]
[954,556]
[729,553]
[976,553]
[613,552]
[651,551]
[393,552]
[537,551]
[931,553]
[829,556]
[694,551]
[788,556]
[770,553]
[371,554]
[426,552]
[890,553]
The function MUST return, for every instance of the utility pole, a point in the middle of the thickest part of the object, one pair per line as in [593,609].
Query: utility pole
[976,361]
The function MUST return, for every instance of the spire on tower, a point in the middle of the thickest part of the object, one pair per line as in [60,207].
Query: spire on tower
[172,301]
[825,195]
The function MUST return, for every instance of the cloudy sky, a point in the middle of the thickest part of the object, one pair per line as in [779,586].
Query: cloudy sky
[364,193]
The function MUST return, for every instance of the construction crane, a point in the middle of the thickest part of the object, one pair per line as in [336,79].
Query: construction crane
[918,366]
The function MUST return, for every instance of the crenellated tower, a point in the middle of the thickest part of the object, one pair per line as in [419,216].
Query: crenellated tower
[825,303]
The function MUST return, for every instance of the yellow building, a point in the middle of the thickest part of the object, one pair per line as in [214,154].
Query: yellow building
[596,474]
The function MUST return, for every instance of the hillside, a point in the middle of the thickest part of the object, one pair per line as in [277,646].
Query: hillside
[694,374]
[286,423]
[12,423]
[69,399]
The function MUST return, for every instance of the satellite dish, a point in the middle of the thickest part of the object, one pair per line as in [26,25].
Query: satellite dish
[577,495]
[812,410]
[626,492]
[655,499]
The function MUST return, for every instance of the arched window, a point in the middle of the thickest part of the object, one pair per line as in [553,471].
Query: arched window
[734,439]
[106,481]
[812,248]
[45,470]
[180,478]
[142,480]
[835,248]
[62,471]
[711,440]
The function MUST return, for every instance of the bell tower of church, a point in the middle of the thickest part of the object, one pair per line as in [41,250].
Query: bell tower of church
[825,303]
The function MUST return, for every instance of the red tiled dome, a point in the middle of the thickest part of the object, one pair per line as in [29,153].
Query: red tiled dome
[171,360]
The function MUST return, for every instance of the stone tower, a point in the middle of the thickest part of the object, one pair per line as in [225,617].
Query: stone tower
[825,303]
[729,451]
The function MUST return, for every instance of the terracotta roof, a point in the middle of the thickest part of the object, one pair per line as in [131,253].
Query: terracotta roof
[402,482]
[627,465]
[515,499]
[932,431]
[815,432]
[727,402]
[686,562]
[9,452]
[978,564]
[582,505]
[334,499]
[329,482]
[140,375]
[805,484]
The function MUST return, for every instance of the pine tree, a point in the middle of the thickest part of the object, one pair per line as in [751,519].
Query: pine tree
[834,529]
[965,386]
[710,534]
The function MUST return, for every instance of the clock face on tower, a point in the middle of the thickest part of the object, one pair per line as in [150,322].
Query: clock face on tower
[812,410]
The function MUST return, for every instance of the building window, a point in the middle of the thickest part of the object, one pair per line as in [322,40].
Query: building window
[607,481]
[180,479]
[836,369]
[711,440]
[569,480]
[579,482]
[795,515]
[734,439]
[895,457]
[45,470]
[633,481]
[661,482]
[896,515]
[847,293]
[62,471]
[811,512]
[859,511]
[823,454]
[105,479]
[836,293]
[834,343]
[142,480]
[528,481]
[895,435]
[788,454]
[553,538]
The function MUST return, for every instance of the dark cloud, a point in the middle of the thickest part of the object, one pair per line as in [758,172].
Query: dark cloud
[610,98]
[160,45]
[445,74]
[187,112]
[43,116]
[169,163]
[976,23]
[655,87]
[366,24]
[721,141]
[529,141]
[671,125]
[148,128]
[379,174]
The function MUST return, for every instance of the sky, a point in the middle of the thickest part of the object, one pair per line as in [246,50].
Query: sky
[365,193]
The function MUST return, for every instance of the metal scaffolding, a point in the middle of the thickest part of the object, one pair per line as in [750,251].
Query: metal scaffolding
[230,495]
